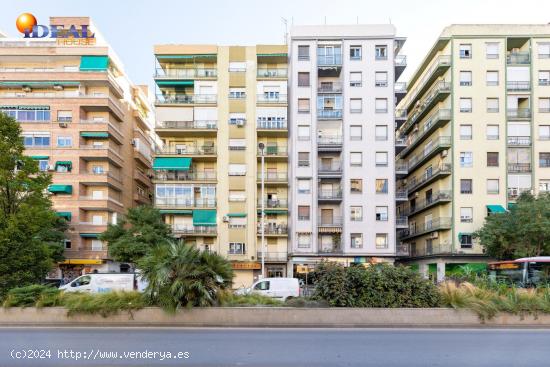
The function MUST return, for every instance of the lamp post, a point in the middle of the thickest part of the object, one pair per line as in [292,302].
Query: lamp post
[261,146]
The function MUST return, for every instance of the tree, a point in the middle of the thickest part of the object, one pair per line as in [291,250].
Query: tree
[30,231]
[133,237]
[523,231]
[181,275]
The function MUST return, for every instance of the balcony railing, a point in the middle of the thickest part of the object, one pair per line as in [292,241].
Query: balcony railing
[426,103]
[437,197]
[185,176]
[185,203]
[271,125]
[401,222]
[334,87]
[272,256]
[519,167]
[401,194]
[274,177]
[331,60]
[433,225]
[400,87]
[440,143]
[267,98]
[431,123]
[185,73]
[334,194]
[272,73]
[327,169]
[416,182]
[329,222]
[274,151]
[518,113]
[400,60]
[519,140]
[400,114]
[189,150]
[514,192]
[274,203]
[440,62]
[517,86]
[196,230]
[196,124]
[516,58]
[336,248]
[418,250]
[187,99]
[329,140]
[329,114]
[272,229]
[103,174]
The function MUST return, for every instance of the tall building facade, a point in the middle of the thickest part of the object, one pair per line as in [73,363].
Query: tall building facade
[343,92]
[476,135]
[214,106]
[86,124]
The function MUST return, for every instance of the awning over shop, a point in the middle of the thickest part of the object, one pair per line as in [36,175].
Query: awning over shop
[67,164]
[66,215]
[165,83]
[236,215]
[89,235]
[176,211]
[94,134]
[94,63]
[39,157]
[60,189]
[204,217]
[172,163]
[496,209]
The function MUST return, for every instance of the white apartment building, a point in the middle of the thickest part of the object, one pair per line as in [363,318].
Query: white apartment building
[342,97]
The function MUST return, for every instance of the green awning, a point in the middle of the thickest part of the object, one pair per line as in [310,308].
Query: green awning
[460,234]
[67,164]
[39,84]
[204,217]
[39,157]
[66,215]
[176,211]
[60,189]
[511,205]
[94,63]
[172,163]
[165,83]
[496,209]
[236,215]
[89,235]
[273,211]
[94,134]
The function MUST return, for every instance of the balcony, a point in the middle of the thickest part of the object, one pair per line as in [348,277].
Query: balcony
[441,64]
[270,99]
[400,63]
[439,197]
[418,182]
[100,203]
[101,126]
[432,123]
[186,99]
[270,256]
[330,222]
[207,125]
[273,151]
[93,178]
[515,192]
[176,203]
[142,198]
[329,87]
[190,150]
[330,249]
[437,93]
[274,203]
[207,176]
[401,195]
[438,145]
[406,250]
[186,230]
[272,73]
[520,141]
[402,222]
[437,224]
[518,86]
[518,113]
[185,73]
[334,60]
[329,143]
[400,90]
[111,152]
[329,195]
[141,177]
[273,178]
[401,168]
[329,114]
[400,114]
[273,229]
[519,167]
[518,58]
[333,170]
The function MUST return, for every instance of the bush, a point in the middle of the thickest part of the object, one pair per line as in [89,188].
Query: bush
[29,296]
[378,285]
[228,299]
[306,302]
[104,304]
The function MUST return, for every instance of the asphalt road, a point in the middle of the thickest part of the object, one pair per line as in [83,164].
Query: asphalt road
[273,347]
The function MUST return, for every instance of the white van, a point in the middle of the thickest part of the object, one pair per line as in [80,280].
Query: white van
[101,283]
[279,288]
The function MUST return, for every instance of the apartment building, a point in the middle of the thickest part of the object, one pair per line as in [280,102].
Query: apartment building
[343,92]
[86,124]
[215,105]
[475,135]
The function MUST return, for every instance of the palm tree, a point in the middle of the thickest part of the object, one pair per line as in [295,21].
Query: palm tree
[180,275]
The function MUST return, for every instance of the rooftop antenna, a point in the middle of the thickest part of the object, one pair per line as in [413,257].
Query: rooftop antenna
[285,22]
[390,20]
[325,20]
[358,19]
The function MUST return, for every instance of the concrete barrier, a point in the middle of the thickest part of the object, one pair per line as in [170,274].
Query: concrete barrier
[272,317]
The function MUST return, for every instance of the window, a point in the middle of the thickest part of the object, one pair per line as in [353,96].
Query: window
[465,240]
[544,160]
[356,159]
[492,159]
[237,195]
[355,105]
[97,245]
[303,212]
[381,240]
[303,105]
[355,79]
[304,240]
[237,93]
[356,240]
[303,159]
[492,105]
[97,220]
[356,185]
[237,169]
[27,115]
[381,105]
[381,79]
[98,170]
[466,215]
[355,53]
[356,132]
[492,186]
[492,78]
[381,159]
[43,164]
[491,50]
[465,51]
[465,105]
[544,77]
[304,133]
[381,52]
[236,248]
[303,79]
[381,132]
[238,119]
[356,213]
[236,66]
[64,116]
[544,185]
[492,132]
[544,50]
[466,132]
[237,222]
[36,140]
[381,185]
[382,213]
[67,244]
[544,132]
[237,144]
[304,186]
[466,159]
[303,52]
[544,105]
[466,186]
[465,78]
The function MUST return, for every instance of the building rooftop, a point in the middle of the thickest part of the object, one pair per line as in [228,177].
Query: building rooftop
[509,30]
[340,31]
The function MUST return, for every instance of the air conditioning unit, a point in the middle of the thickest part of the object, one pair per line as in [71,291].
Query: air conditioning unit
[225,219]
[435,235]
[444,153]
[57,87]
[63,124]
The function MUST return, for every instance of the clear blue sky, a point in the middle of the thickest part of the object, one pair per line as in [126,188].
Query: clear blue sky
[132,27]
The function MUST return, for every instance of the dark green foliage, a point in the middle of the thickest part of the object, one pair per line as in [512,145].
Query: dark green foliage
[104,304]
[229,299]
[28,296]
[305,302]
[373,286]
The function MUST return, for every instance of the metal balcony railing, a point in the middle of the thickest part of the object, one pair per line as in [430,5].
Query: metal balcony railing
[401,221]
[518,86]
[400,60]
[274,176]
[272,73]
[273,229]
[329,140]
[185,73]
[185,203]
[437,197]
[271,125]
[428,249]
[519,167]
[197,230]
[196,124]
[416,182]
[401,194]
[520,58]
[425,104]
[186,98]
[433,225]
[334,167]
[514,192]
[335,248]
[518,113]
[274,151]
[333,87]
[427,128]
[271,98]
[329,221]
[272,256]
[441,61]
[329,114]
[274,203]
[189,150]
[329,60]
[440,143]
[185,176]
[519,140]
[334,194]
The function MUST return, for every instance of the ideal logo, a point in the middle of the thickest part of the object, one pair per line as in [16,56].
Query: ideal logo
[28,25]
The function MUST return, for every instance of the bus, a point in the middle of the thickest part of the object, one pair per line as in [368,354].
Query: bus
[526,272]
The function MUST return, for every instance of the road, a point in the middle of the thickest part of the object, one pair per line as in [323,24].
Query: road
[275,347]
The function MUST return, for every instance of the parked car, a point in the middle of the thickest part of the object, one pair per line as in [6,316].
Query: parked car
[106,282]
[279,288]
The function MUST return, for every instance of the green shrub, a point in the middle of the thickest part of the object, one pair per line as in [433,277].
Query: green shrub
[104,304]
[29,296]
[306,302]
[228,299]
[378,285]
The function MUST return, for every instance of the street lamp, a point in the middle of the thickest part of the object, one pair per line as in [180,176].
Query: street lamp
[261,146]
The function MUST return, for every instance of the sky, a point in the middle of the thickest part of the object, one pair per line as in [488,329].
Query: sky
[132,27]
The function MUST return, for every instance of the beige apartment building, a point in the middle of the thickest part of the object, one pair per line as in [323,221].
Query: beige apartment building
[214,106]
[86,124]
[474,134]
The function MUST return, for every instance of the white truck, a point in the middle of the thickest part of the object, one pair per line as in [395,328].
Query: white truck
[279,288]
[106,282]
